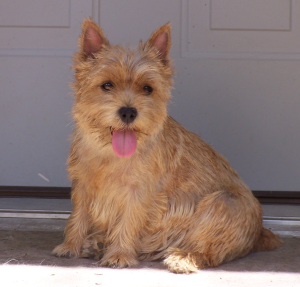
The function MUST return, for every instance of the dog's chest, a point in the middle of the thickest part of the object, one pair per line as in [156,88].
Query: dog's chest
[115,188]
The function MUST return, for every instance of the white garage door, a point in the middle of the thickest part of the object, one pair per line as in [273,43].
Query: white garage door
[237,82]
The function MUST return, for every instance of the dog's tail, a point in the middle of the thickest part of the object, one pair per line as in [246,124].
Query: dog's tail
[267,241]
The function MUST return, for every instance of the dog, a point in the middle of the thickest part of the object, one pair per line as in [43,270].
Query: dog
[143,187]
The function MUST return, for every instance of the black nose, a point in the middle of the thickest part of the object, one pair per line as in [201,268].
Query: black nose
[127,114]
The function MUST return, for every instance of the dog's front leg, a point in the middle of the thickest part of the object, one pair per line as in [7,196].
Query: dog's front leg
[75,231]
[123,237]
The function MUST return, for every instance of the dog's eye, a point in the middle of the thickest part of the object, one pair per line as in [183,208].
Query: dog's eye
[107,86]
[148,90]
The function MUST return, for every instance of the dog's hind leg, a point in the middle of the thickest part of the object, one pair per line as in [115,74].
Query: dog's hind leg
[226,225]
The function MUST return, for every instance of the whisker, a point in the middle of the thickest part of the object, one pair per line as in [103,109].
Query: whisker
[139,132]
[105,144]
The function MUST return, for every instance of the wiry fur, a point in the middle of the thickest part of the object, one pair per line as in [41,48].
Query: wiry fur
[175,197]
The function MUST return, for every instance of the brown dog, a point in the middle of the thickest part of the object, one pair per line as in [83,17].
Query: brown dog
[145,188]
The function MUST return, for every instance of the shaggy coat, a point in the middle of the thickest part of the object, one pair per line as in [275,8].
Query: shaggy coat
[174,197]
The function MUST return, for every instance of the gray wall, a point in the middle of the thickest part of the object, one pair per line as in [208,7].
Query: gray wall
[34,120]
[237,83]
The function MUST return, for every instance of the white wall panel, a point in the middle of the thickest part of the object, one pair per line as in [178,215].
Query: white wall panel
[35,13]
[35,120]
[50,31]
[241,29]
[268,15]
[38,39]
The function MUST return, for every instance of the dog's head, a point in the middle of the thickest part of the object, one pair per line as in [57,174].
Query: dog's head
[121,94]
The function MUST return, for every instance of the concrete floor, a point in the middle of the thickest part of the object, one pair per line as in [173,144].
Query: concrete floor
[26,260]
[30,228]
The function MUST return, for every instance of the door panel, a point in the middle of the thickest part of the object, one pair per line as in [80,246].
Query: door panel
[35,13]
[241,29]
[38,39]
[255,15]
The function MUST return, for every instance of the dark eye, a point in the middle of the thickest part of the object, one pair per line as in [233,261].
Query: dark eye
[107,86]
[148,90]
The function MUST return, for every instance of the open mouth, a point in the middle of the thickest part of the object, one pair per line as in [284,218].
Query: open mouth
[123,142]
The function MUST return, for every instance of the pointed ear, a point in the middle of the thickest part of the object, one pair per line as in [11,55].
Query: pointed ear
[161,40]
[92,39]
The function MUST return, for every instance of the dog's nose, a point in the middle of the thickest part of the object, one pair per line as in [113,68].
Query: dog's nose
[127,114]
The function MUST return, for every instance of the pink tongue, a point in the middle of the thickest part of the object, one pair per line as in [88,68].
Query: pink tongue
[124,143]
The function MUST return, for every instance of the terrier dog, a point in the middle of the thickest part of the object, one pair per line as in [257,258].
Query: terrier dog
[143,187]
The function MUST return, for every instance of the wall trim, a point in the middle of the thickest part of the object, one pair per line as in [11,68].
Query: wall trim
[265,197]
[277,197]
[35,191]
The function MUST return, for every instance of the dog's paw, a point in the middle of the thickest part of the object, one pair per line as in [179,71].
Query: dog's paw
[92,249]
[118,261]
[179,261]
[63,250]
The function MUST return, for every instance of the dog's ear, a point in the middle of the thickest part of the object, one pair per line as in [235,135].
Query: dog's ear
[92,39]
[161,40]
